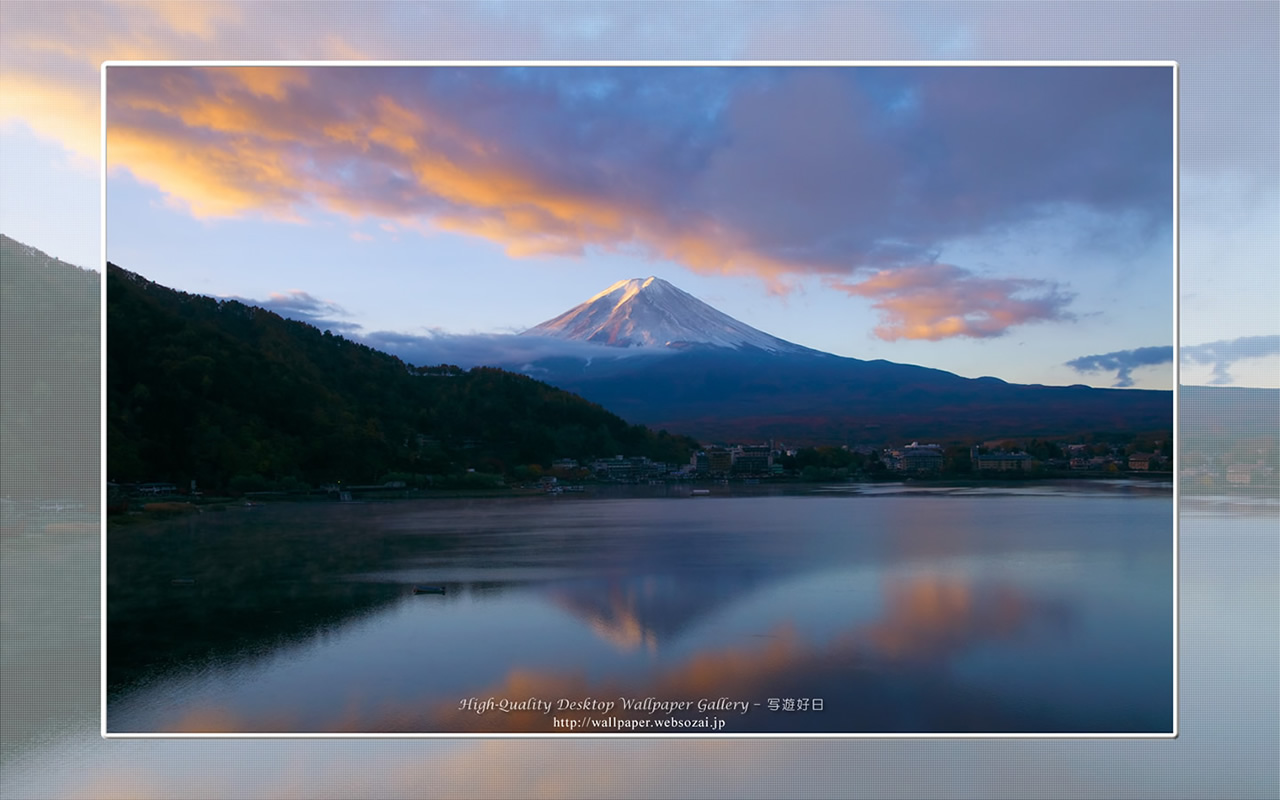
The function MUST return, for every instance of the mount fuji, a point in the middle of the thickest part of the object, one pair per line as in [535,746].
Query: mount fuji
[650,312]
[656,355]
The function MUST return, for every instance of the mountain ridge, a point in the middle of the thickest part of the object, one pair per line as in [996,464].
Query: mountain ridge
[49,332]
[651,312]
[722,379]
[232,395]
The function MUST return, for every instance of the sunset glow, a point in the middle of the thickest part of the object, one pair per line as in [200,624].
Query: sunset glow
[854,210]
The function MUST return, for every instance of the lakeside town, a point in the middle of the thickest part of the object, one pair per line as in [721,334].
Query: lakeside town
[762,461]
[1244,467]
[744,463]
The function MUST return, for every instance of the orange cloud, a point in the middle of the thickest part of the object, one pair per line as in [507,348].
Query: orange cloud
[200,20]
[49,76]
[210,183]
[50,58]
[51,108]
[232,142]
[274,83]
[336,47]
[939,301]
[430,150]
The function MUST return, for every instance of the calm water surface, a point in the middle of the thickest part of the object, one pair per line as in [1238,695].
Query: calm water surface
[900,609]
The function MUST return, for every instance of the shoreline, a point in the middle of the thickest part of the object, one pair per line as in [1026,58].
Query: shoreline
[168,508]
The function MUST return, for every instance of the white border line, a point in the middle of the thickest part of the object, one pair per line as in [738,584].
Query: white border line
[620,735]
[1177,381]
[103,476]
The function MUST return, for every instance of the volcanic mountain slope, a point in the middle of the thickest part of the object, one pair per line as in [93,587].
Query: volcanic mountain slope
[720,379]
[650,312]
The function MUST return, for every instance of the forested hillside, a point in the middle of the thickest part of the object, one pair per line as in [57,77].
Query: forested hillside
[49,402]
[234,396]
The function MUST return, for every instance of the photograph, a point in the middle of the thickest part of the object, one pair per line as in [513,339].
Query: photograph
[820,399]
[616,400]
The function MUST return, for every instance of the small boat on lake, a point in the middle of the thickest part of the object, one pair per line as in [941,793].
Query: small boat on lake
[428,590]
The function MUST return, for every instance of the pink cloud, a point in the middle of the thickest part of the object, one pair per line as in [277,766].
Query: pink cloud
[779,174]
[940,301]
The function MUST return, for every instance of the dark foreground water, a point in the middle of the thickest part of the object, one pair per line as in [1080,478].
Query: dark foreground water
[1030,609]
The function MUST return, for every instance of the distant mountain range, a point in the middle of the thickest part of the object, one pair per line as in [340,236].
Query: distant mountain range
[49,382]
[1211,416]
[716,378]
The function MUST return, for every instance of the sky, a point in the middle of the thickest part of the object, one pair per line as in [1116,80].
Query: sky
[1001,221]
[1229,287]
[1013,223]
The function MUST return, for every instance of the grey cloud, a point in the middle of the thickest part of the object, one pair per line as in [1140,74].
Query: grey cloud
[507,350]
[1124,362]
[1223,354]
[800,170]
[303,307]
[510,351]
[817,170]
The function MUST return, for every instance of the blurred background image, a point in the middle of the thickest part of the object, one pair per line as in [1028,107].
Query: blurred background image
[52,483]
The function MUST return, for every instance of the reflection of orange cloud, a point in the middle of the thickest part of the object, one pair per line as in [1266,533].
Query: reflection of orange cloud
[207,720]
[475,769]
[746,671]
[930,616]
[920,610]
[740,672]
[927,618]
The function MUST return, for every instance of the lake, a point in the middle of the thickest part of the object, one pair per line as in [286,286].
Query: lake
[879,608]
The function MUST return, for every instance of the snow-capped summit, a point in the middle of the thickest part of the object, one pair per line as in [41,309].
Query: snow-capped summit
[650,312]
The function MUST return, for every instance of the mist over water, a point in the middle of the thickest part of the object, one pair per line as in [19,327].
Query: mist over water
[1229,658]
[951,610]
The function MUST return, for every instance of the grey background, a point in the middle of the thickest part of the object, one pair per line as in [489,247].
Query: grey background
[1229,552]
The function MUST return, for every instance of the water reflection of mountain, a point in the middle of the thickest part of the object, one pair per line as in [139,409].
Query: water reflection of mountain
[219,588]
[895,672]
[167,627]
[890,674]
[904,616]
[644,611]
